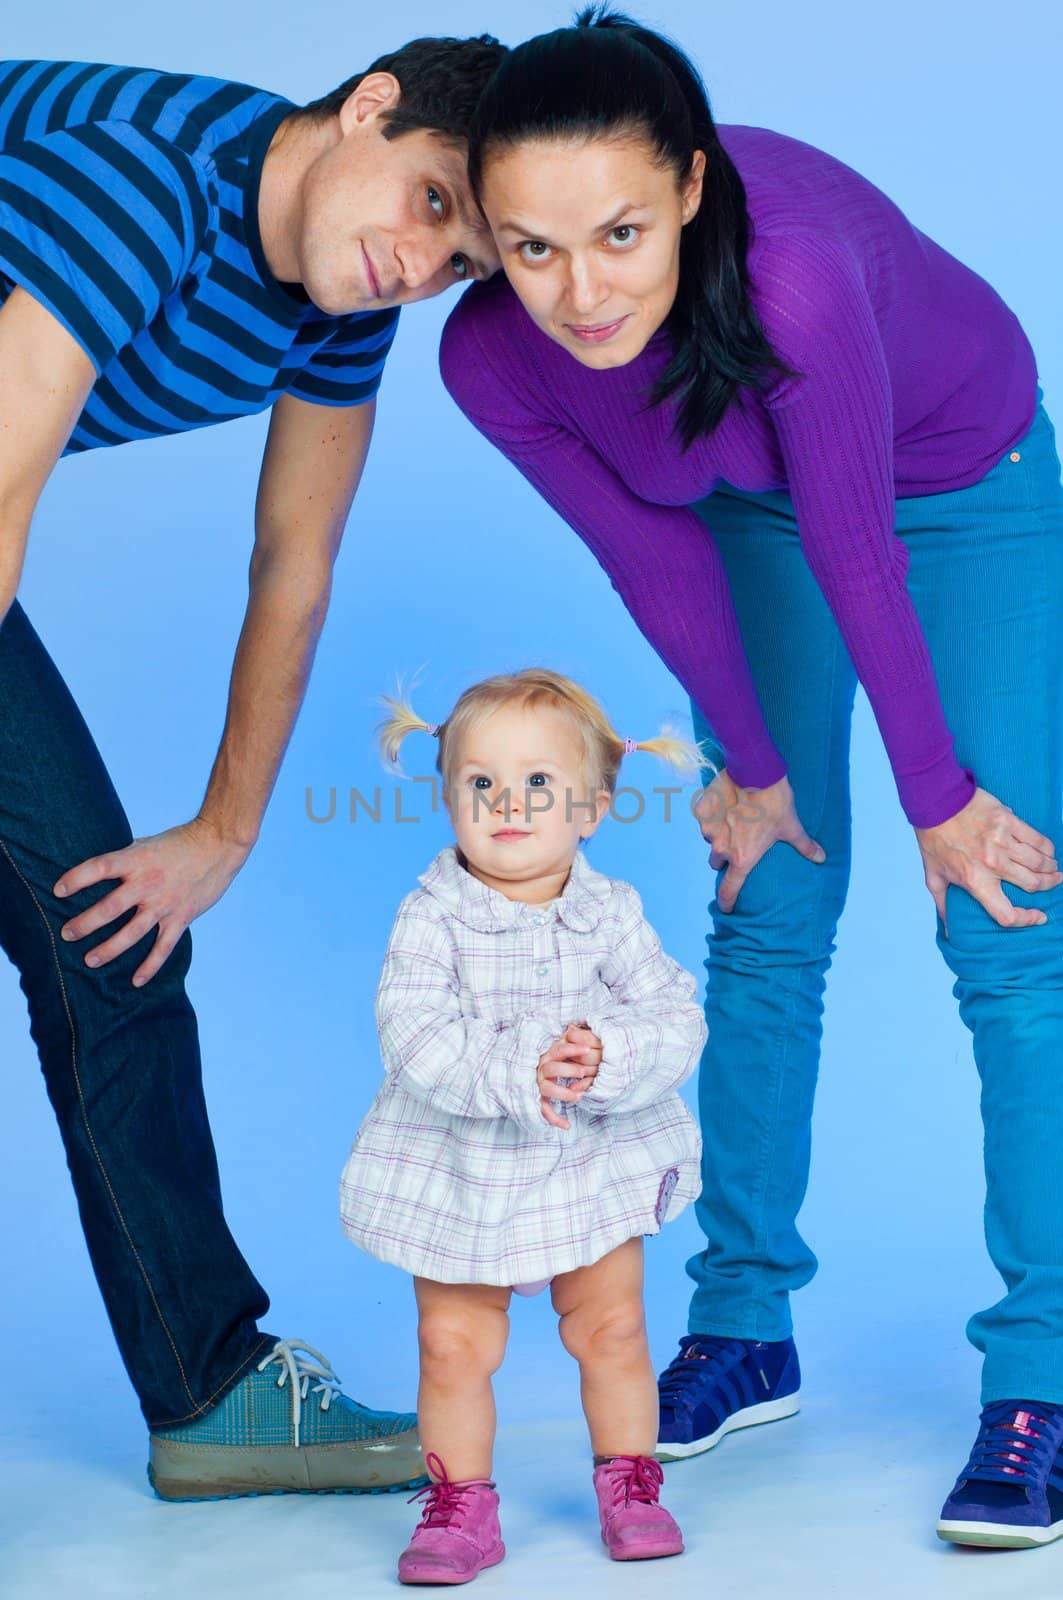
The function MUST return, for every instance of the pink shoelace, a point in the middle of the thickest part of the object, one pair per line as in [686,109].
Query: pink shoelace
[444,1499]
[636,1478]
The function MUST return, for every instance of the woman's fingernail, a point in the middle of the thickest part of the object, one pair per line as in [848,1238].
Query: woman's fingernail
[92,961]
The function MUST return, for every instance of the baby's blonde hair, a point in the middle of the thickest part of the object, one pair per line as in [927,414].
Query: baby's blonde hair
[603,747]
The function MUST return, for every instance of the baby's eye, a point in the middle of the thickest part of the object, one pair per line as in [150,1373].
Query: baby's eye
[545,776]
[435,200]
[480,780]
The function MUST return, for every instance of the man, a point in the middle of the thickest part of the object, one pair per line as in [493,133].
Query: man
[176,251]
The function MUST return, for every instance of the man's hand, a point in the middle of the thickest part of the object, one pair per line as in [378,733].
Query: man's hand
[566,1071]
[741,825]
[980,847]
[170,878]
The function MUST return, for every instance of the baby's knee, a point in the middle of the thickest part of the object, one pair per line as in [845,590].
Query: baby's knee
[595,1334]
[453,1336]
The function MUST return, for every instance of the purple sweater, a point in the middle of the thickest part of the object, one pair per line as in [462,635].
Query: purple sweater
[914,379]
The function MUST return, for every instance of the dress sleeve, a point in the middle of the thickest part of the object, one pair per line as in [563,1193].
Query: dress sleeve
[661,560]
[465,1066]
[346,370]
[100,223]
[834,422]
[653,1031]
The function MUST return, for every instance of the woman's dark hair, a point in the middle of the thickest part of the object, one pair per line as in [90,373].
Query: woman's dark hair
[441,81]
[609,76]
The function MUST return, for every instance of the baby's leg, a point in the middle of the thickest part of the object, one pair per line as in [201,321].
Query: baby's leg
[603,1326]
[462,1332]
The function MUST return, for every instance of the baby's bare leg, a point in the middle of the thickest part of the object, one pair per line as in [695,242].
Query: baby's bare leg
[462,1331]
[603,1326]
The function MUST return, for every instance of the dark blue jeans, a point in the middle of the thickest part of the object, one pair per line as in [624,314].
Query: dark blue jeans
[121,1064]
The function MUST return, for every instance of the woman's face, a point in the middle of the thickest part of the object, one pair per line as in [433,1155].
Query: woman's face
[588,231]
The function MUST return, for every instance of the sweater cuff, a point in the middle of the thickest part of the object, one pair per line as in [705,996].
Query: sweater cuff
[933,796]
[757,769]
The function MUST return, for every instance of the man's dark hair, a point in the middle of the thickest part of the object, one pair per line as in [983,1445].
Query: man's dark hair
[441,81]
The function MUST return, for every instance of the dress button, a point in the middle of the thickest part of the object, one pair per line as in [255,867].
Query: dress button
[1015,456]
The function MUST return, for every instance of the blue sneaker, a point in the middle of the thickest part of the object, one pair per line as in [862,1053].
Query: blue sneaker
[716,1385]
[1010,1493]
[287,1428]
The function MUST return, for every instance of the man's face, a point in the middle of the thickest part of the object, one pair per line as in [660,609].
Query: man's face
[387,221]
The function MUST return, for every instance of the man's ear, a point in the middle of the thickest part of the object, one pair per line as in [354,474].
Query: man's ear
[377,92]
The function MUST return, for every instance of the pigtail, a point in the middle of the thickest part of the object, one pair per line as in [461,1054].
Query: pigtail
[687,756]
[403,719]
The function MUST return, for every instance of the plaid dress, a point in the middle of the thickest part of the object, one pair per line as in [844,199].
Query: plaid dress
[455,1175]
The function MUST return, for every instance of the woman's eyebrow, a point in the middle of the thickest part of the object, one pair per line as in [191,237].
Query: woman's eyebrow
[515,225]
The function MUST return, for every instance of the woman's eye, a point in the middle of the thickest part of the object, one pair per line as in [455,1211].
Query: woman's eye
[624,234]
[534,250]
[459,266]
[435,200]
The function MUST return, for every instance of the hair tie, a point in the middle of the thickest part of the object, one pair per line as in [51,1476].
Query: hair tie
[630,746]
[433,729]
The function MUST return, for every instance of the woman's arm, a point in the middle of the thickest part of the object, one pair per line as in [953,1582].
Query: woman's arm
[661,560]
[466,1066]
[834,422]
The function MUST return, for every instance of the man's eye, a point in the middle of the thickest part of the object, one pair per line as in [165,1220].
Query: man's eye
[459,266]
[435,200]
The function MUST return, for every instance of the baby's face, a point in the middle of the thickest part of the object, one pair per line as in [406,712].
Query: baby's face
[519,800]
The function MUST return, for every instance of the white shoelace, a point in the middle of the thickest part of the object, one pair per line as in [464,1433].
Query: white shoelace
[301,1372]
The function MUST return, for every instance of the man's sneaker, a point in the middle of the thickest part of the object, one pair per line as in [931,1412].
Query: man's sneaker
[1010,1493]
[287,1428]
[716,1385]
[635,1526]
[458,1535]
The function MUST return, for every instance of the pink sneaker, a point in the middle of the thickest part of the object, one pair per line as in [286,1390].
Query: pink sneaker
[635,1526]
[458,1534]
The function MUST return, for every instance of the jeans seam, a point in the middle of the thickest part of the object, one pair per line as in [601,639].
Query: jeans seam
[223,1387]
[87,1124]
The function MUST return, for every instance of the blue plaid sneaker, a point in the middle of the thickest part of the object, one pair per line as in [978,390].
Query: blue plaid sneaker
[716,1385]
[287,1428]
[1010,1493]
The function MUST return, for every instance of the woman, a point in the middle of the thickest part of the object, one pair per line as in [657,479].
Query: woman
[725,327]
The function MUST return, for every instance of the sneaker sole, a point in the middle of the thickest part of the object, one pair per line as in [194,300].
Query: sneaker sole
[180,1471]
[998,1535]
[429,1575]
[749,1417]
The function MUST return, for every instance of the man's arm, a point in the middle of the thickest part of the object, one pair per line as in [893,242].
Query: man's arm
[310,470]
[45,378]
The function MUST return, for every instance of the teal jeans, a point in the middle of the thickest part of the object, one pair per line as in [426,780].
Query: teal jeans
[986,577]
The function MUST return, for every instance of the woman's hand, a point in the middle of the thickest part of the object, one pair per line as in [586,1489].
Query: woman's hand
[171,878]
[741,825]
[566,1071]
[982,846]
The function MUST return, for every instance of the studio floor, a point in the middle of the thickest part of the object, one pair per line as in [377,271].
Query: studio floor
[837,1501]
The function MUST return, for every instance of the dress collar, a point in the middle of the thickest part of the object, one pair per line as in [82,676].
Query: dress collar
[488,910]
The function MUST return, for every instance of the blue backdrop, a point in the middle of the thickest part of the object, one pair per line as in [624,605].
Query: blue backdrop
[136,579]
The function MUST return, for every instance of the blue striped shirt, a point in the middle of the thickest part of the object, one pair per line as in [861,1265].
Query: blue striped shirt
[129,208]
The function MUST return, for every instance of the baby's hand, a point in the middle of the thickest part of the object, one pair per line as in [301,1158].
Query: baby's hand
[566,1071]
